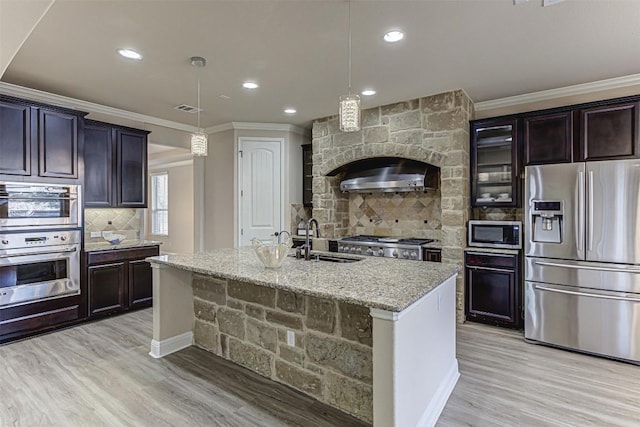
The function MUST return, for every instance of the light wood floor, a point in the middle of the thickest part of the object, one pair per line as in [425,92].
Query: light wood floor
[100,374]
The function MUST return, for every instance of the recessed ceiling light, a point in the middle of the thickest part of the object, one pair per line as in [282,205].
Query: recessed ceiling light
[250,85]
[129,54]
[393,36]
[290,110]
[368,92]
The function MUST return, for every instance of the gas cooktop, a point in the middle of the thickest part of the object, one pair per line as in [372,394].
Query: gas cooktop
[379,239]
[406,248]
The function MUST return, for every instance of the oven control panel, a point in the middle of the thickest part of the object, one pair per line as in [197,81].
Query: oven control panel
[45,238]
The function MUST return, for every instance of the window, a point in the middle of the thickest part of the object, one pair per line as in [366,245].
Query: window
[160,204]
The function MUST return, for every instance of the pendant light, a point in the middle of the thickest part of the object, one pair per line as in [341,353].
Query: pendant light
[349,112]
[199,138]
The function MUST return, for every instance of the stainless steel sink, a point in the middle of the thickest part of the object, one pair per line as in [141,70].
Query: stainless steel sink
[330,258]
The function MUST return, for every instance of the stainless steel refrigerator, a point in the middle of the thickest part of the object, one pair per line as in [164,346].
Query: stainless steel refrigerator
[582,248]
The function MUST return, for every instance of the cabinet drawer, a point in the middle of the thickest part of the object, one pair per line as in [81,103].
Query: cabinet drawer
[477,259]
[114,255]
[39,321]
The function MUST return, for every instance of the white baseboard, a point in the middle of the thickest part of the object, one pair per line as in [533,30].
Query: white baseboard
[437,404]
[170,345]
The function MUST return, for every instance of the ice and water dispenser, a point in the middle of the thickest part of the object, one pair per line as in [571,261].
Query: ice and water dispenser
[546,221]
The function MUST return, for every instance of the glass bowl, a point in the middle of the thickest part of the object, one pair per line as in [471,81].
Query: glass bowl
[271,254]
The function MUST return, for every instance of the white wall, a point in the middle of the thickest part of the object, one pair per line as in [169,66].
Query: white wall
[220,205]
[181,201]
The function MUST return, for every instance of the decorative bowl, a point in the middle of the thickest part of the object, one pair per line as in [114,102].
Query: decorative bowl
[271,253]
[114,239]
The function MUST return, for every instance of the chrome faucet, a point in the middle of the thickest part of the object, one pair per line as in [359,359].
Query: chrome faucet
[278,234]
[307,244]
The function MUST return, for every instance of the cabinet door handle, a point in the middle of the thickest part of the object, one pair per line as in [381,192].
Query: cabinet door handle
[501,270]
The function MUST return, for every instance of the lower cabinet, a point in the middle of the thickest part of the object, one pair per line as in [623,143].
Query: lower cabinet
[119,280]
[493,289]
[44,316]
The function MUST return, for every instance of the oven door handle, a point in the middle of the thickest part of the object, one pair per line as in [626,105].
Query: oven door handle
[586,294]
[501,270]
[38,253]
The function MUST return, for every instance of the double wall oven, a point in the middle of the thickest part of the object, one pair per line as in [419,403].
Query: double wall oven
[40,242]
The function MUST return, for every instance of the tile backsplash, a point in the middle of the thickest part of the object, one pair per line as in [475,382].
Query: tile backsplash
[413,214]
[122,221]
[298,213]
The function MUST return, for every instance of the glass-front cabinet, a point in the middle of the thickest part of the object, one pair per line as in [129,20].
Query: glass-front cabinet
[494,163]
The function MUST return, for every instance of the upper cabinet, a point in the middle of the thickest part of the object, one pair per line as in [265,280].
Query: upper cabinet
[15,139]
[39,140]
[494,163]
[307,175]
[598,131]
[609,132]
[115,166]
[548,138]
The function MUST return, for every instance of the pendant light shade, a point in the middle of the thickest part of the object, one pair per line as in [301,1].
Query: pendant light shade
[349,111]
[199,144]
[199,140]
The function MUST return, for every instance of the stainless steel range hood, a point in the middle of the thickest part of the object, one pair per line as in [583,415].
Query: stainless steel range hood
[388,174]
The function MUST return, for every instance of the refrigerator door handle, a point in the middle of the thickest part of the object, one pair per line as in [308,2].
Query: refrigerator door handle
[588,267]
[580,214]
[590,218]
[586,294]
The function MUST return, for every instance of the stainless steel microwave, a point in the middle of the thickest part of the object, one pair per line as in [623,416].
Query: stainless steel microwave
[495,234]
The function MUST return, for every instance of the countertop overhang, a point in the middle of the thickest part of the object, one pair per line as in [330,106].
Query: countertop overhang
[125,244]
[384,283]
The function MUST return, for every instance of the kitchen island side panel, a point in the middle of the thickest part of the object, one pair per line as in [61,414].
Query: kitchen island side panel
[415,367]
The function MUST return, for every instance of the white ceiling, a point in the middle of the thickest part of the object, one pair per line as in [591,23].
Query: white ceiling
[297,51]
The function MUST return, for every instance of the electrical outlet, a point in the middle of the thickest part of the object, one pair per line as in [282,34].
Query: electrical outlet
[439,301]
[96,234]
[291,338]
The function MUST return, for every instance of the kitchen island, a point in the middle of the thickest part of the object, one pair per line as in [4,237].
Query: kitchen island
[374,338]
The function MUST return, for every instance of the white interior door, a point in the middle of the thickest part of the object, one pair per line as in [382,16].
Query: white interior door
[260,184]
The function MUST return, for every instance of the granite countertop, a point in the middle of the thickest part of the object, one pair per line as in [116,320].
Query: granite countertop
[385,283]
[125,244]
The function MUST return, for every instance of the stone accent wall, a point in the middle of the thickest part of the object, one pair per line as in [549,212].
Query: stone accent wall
[247,324]
[122,221]
[432,129]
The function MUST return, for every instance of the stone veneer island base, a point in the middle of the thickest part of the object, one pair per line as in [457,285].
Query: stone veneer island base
[374,338]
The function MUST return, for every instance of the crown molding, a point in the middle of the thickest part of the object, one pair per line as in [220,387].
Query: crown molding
[280,127]
[89,107]
[544,95]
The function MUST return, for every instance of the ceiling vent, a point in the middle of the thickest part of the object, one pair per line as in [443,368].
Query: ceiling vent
[187,108]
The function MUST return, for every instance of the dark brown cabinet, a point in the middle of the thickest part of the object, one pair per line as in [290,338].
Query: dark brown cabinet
[307,175]
[15,139]
[433,255]
[495,163]
[548,138]
[39,140]
[609,132]
[106,290]
[119,280]
[131,168]
[57,144]
[29,319]
[115,166]
[492,288]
